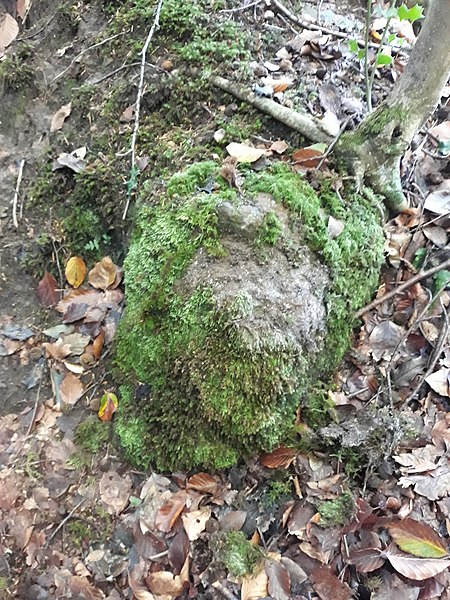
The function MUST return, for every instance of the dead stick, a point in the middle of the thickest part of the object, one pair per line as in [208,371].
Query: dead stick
[303,123]
[16,193]
[401,288]
[137,108]
[64,521]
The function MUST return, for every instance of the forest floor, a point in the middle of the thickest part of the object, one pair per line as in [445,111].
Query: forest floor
[77,521]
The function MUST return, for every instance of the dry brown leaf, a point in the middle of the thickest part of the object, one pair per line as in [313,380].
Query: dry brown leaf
[440,434]
[203,483]
[366,560]
[164,583]
[97,345]
[194,522]
[103,274]
[308,158]
[71,389]
[57,350]
[280,458]
[255,586]
[438,381]
[60,116]
[115,491]
[75,271]
[170,511]
[279,146]
[279,580]
[22,8]
[89,297]
[328,586]
[9,30]
[47,290]
[81,588]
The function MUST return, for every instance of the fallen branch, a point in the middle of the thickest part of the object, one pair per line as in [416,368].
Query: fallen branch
[153,28]
[305,124]
[16,193]
[402,287]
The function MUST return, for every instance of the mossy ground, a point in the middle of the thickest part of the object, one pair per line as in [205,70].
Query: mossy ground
[211,399]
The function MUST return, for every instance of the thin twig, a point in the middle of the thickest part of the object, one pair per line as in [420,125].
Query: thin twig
[433,360]
[314,27]
[153,28]
[64,521]
[329,150]
[402,287]
[223,590]
[35,33]
[129,66]
[366,56]
[160,555]
[16,193]
[84,52]
[239,8]
[380,48]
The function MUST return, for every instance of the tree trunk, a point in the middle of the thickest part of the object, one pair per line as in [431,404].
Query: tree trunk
[374,150]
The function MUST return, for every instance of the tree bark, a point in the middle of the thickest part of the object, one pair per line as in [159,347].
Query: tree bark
[374,150]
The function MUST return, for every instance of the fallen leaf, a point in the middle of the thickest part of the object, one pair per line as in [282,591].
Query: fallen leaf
[77,342]
[439,381]
[70,160]
[165,584]
[281,457]
[202,482]
[81,588]
[416,538]
[47,290]
[279,146]
[194,522]
[108,406]
[22,8]
[244,153]
[254,586]
[97,345]
[128,114]
[412,567]
[232,521]
[60,116]
[75,271]
[16,332]
[103,274]
[71,389]
[309,158]
[279,580]
[335,227]
[366,560]
[386,335]
[57,350]
[440,434]
[73,368]
[9,30]
[179,550]
[89,297]
[115,491]
[328,586]
[170,511]
[438,202]
[434,485]
[75,312]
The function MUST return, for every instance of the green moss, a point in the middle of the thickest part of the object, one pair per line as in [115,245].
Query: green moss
[239,556]
[334,513]
[92,435]
[276,493]
[214,396]
[270,230]
[16,72]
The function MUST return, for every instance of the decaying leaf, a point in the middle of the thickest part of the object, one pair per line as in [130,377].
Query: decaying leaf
[328,586]
[439,381]
[202,482]
[243,153]
[438,202]
[194,522]
[71,389]
[103,275]
[108,406]
[434,485]
[279,580]
[75,271]
[60,116]
[170,511]
[279,146]
[47,290]
[309,158]
[115,491]
[366,560]
[73,161]
[416,538]
[9,30]
[89,297]
[255,586]
[97,345]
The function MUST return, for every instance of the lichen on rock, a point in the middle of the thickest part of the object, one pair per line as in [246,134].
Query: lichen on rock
[236,304]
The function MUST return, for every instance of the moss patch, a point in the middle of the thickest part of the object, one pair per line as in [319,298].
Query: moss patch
[211,396]
[334,513]
[238,555]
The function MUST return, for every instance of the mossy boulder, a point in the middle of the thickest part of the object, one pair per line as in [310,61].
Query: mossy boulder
[237,304]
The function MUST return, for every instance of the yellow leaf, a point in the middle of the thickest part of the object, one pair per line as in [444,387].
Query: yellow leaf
[108,406]
[75,271]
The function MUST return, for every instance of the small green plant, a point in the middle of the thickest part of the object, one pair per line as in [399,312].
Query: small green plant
[335,513]
[238,554]
[383,55]
[16,72]
[270,230]
[276,493]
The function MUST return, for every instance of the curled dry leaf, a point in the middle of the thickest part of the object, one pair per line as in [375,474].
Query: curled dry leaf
[47,290]
[194,522]
[97,345]
[280,458]
[103,274]
[60,116]
[75,271]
